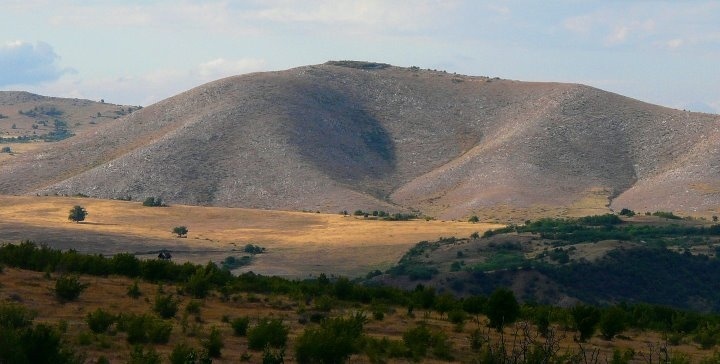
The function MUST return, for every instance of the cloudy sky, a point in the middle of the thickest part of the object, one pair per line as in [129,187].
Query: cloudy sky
[139,52]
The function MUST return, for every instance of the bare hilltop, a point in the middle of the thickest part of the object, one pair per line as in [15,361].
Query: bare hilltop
[358,135]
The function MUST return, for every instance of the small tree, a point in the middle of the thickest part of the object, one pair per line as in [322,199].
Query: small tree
[5,150]
[77,213]
[502,308]
[586,319]
[68,288]
[473,219]
[180,231]
[715,218]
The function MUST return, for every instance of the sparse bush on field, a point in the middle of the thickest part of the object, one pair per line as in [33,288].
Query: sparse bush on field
[134,290]
[214,343]
[333,342]
[153,202]
[180,231]
[185,354]
[100,320]
[240,326]
[627,212]
[138,355]
[473,219]
[144,328]
[270,332]
[69,287]
[166,306]
[5,150]
[666,215]
[420,339]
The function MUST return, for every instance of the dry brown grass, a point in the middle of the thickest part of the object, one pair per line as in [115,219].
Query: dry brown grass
[34,290]
[298,244]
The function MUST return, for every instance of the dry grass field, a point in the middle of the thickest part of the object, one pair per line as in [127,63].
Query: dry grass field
[298,244]
[34,290]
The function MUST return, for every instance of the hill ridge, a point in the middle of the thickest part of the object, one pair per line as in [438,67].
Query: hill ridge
[335,137]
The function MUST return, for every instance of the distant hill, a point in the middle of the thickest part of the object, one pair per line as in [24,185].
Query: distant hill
[359,135]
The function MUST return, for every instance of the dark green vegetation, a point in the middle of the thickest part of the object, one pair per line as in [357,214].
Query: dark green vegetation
[668,262]
[331,338]
[386,216]
[77,213]
[24,342]
[154,202]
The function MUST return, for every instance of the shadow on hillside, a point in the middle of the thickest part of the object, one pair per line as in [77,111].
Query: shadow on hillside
[340,137]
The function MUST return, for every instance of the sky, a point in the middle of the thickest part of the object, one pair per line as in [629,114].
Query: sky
[139,52]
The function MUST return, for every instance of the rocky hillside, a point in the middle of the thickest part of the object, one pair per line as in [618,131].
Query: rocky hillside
[356,135]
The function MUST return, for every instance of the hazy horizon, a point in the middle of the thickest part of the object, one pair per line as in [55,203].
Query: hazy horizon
[140,52]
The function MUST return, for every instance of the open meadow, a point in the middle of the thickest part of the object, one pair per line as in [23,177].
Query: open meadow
[298,244]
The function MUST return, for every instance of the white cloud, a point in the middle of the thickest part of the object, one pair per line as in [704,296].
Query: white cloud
[618,35]
[220,67]
[25,63]
[156,85]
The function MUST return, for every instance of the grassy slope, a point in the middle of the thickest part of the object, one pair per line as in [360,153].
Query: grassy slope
[34,291]
[298,243]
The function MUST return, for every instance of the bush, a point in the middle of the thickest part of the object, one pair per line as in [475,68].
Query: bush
[185,354]
[144,329]
[240,326]
[153,202]
[333,342]
[270,332]
[420,338]
[213,344]
[100,320]
[68,288]
[165,306]
[134,290]
[473,219]
[139,356]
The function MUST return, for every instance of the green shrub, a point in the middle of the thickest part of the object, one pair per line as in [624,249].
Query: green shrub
[502,308]
[68,288]
[240,326]
[134,290]
[153,202]
[213,344]
[333,342]
[138,355]
[165,306]
[144,328]
[14,316]
[185,354]
[100,320]
[612,322]
[193,307]
[270,332]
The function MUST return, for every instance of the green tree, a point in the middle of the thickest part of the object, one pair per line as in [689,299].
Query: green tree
[473,219]
[333,342]
[612,322]
[180,231]
[77,213]
[68,288]
[502,308]
[586,319]
[268,332]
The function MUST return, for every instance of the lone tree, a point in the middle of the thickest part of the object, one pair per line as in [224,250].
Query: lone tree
[180,231]
[77,213]
[502,308]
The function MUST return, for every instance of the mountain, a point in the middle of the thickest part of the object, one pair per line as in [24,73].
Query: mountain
[358,135]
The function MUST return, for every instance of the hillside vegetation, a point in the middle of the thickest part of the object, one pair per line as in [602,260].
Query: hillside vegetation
[127,311]
[595,259]
[349,135]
